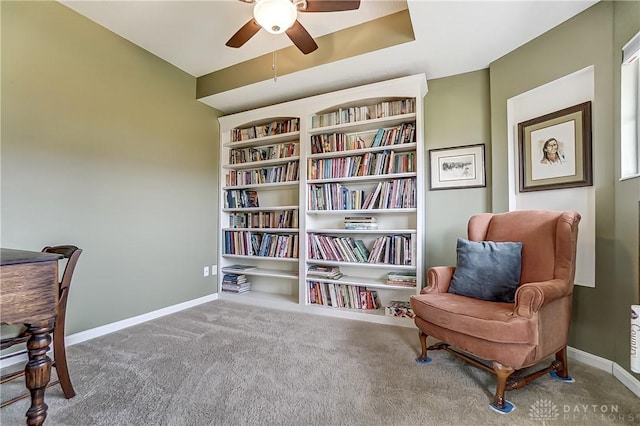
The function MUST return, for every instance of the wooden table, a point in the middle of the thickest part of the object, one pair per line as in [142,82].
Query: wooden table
[29,295]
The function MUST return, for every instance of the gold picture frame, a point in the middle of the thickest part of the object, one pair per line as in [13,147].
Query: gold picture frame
[555,150]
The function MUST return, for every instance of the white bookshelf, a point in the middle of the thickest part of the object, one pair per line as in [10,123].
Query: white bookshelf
[283,282]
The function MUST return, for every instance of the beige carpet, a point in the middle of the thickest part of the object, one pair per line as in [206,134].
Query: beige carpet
[228,364]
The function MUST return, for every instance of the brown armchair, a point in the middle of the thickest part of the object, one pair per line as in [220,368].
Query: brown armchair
[506,337]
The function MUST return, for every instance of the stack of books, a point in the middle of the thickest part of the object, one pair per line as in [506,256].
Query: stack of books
[404,278]
[235,283]
[360,222]
[399,308]
[330,272]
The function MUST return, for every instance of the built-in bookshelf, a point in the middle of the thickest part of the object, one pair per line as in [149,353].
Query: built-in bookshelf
[259,221]
[323,201]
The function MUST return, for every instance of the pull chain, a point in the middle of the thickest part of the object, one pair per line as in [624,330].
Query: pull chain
[274,67]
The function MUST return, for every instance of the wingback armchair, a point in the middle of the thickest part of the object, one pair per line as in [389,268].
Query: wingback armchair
[505,337]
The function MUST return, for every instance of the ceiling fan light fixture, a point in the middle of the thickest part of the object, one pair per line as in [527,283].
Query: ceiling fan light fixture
[275,16]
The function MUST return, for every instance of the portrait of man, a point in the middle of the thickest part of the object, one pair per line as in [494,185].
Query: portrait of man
[553,151]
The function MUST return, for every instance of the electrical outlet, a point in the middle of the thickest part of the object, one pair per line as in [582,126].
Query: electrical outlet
[214,269]
[206,271]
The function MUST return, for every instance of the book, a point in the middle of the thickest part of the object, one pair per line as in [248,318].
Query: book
[252,198]
[399,308]
[407,278]
[361,226]
[237,290]
[360,219]
[331,272]
[240,267]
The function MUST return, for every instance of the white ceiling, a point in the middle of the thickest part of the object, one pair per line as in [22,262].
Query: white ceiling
[451,37]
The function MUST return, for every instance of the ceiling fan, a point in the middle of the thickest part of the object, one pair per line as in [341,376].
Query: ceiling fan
[281,16]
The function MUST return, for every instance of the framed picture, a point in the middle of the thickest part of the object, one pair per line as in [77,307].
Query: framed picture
[555,149]
[457,167]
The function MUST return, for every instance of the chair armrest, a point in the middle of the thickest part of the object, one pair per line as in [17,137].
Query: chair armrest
[438,279]
[530,297]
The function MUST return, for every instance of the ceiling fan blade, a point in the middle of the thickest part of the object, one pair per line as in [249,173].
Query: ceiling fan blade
[301,38]
[331,5]
[243,35]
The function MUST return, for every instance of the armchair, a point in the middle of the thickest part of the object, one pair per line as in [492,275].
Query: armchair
[505,337]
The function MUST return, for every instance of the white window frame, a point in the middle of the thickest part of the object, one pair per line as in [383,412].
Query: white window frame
[630,109]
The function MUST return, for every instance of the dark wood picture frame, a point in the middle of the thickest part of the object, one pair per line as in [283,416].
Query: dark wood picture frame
[457,167]
[555,150]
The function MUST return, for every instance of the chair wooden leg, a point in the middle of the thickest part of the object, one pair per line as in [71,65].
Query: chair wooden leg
[60,362]
[423,358]
[502,372]
[561,366]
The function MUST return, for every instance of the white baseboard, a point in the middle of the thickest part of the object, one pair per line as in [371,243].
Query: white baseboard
[595,361]
[119,325]
[611,367]
[83,336]
[627,379]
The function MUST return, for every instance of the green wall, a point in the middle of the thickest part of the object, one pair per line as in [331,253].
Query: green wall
[104,146]
[456,113]
[600,323]
[627,200]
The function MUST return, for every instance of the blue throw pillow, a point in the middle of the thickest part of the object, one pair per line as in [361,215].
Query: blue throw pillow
[487,270]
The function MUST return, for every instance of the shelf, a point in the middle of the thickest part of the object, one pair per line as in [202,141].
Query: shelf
[260,164]
[360,231]
[265,230]
[372,178]
[259,298]
[266,140]
[259,209]
[263,186]
[361,264]
[262,272]
[362,282]
[367,211]
[364,125]
[354,152]
[377,316]
[277,259]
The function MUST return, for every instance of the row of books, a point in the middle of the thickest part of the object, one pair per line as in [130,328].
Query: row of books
[249,243]
[334,196]
[394,194]
[393,249]
[342,296]
[241,198]
[340,249]
[270,152]
[389,249]
[236,283]
[404,133]
[281,173]
[265,219]
[391,108]
[361,113]
[273,128]
[367,164]
[336,142]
